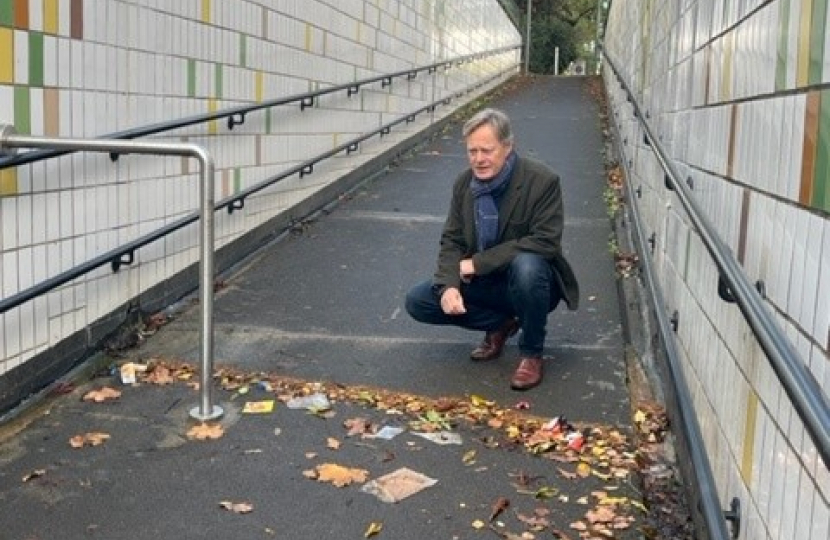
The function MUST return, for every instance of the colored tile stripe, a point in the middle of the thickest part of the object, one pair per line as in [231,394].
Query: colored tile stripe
[35,59]
[814,190]
[748,457]
[21,14]
[6,55]
[217,81]
[783,45]
[744,225]
[22,110]
[817,30]
[259,85]
[809,146]
[8,182]
[206,11]
[50,16]
[213,127]
[726,78]
[243,50]
[191,77]
[804,25]
[821,179]
[6,13]
[76,14]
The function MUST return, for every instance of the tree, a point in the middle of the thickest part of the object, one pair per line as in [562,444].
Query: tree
[567,24]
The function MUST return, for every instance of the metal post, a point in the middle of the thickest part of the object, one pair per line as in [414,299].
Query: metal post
[9,142]
[556,60]
[527,40]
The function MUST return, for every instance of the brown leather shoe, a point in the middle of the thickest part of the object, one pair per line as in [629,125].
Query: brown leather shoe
[528,374]
[494,341]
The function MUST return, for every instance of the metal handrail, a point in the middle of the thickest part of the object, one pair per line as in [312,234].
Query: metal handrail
[801,386]
[124,254]
[701,468]
[236,115]
[803,390]
[9,141]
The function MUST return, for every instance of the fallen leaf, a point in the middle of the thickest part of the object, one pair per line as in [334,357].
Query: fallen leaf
[102,394]
[478,524]
[340,476]
[238,508]
[160,375]
[332,443]
[92,439]
[567,474]
[469,457]
[37,473]
[374,528]
[357,426]
[205,431]
[583,470]
[498,507]
[579,526]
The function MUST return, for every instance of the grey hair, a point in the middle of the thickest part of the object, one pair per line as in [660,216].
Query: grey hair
[496,119]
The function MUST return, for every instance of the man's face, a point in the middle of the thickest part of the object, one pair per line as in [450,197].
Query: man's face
[486,153]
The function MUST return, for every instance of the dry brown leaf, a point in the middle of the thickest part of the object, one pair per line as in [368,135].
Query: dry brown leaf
[102,394]
[332,443]
[238,508]
[160,375]
[374,528]
[205,431]
[602,514]
[357,426]
[94,438]
[340,476]
[498,507]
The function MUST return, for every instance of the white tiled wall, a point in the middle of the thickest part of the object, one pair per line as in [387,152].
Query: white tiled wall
[728,87]
[142,61]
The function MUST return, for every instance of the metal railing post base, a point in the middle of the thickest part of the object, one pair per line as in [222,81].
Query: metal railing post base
[215,413]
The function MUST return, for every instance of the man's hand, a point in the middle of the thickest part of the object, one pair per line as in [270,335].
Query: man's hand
[466,270]
[452,303]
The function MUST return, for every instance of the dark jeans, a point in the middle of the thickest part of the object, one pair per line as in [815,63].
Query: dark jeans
[527,290]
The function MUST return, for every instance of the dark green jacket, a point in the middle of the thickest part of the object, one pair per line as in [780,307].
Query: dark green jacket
[531,218]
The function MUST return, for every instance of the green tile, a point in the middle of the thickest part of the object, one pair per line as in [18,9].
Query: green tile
[243,50]
[237,180]
[7,13]
[35,59]
[217,92]
[783,44]
[191,78]
[821,189]
[268,120]
[22,110]
[818,23]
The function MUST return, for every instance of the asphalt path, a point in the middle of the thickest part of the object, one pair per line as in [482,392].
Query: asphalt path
[324,305]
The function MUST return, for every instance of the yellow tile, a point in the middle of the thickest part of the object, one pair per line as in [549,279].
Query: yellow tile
[50,16]
[726,80]
[213,127]
[308,35]
[6,55]
[206,11]
[8,182]
[805,24]
[260,82]
[748,458]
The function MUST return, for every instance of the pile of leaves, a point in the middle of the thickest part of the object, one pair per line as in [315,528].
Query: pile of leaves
[605,454]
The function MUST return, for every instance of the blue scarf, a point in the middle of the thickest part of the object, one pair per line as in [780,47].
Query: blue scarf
[486,210]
